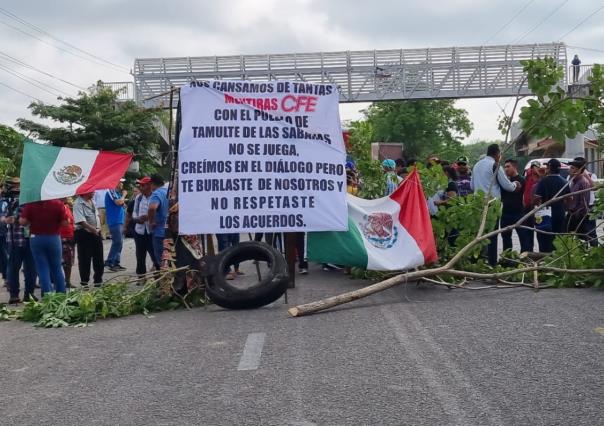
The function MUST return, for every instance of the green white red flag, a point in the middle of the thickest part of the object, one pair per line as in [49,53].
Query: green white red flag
[51,172]
[387,234]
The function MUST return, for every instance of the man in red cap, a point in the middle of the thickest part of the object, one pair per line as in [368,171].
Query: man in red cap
[143,236]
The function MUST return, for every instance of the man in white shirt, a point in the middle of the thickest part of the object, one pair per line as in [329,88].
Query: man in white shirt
[488,176]
[143,238]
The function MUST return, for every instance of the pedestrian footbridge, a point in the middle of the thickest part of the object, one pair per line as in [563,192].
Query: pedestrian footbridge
[361,76]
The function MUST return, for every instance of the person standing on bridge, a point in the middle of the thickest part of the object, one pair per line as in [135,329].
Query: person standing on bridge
[576,67]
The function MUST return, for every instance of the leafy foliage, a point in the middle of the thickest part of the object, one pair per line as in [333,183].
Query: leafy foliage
[572,253]
[11,150]
[433,179]
[424,126]
[7,314]
[461,217]
[95,120]
[373,179]
[111,300]
[553,112]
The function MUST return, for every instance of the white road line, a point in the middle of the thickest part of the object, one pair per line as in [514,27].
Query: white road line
[250,358]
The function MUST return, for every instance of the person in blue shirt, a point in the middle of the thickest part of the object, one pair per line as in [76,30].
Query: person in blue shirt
[158,214]
[115,214]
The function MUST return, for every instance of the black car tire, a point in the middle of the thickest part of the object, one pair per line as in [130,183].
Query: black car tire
[227,295]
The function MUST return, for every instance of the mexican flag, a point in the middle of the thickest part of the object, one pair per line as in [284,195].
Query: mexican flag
[387,234]
[51,172]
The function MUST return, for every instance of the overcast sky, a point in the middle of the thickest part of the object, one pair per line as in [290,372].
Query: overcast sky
[119,31]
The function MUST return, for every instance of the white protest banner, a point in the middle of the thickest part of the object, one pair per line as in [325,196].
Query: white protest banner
[261,157]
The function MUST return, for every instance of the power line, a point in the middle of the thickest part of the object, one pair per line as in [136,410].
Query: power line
[542,21]
[581,23]
[509,22]
[41,87]
[19,91]
[55,46]
[42,31]
[586,48]
[14,60]
[34,82]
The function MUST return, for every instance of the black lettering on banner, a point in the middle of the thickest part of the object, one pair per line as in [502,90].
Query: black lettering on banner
[205,166]
[187,185]
[216,132]
[222,185]
[249,132]
[225,115]
[256,166]
[301,120]
[272,202]
[303,184]
[288,167]
[272,221]
[330,169]
[229,222]
[241,166]
[280,149]
[283,87]
[253,149]
[265,184]
[236,148]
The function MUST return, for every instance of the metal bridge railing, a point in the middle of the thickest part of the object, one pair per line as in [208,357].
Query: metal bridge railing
[361,76]
[124,89]
[579,74]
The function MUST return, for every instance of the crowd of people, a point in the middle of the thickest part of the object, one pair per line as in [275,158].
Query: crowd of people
[518,194]
[41,239]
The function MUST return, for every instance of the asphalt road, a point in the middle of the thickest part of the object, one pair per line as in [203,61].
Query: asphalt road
[411,355]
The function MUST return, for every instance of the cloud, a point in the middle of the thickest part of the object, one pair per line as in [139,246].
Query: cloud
[120,31]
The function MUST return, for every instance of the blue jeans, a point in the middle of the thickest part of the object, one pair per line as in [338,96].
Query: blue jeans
[21,256]
[546,241]
[158,248]
[225,241]
[47,254]
[117,242]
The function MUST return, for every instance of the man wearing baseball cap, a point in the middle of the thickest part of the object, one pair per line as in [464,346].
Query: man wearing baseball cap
[464,176]
[549,187]
[577,216]
[143,239]
[115,214]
